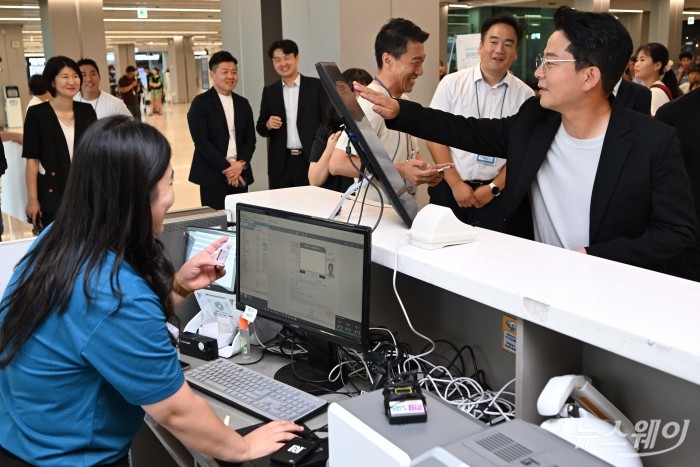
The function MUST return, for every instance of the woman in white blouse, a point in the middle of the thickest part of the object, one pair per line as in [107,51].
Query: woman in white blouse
[654,69]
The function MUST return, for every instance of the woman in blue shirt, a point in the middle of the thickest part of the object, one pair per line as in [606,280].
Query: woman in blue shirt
[84,347]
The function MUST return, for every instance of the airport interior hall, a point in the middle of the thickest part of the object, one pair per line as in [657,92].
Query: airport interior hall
[349,232]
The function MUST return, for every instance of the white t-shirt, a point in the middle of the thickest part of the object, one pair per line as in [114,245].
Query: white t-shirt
[466,93]
[69,134]
[105,105]
[658,98]
[227,102]
[34,101]
[561,193]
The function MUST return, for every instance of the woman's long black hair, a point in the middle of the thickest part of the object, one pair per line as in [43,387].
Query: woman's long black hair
[106,208]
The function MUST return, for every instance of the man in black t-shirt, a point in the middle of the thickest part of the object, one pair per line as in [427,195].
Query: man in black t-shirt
[130,89]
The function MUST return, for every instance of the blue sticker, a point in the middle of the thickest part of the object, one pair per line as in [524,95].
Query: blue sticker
[486,160]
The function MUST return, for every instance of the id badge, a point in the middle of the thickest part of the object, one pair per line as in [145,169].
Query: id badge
[487,160]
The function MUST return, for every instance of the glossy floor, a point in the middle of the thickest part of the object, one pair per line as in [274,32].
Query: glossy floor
[173,124]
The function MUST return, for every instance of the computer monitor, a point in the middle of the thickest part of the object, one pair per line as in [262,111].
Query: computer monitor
[309,274]
[198,238]
[173,239]
[366,142]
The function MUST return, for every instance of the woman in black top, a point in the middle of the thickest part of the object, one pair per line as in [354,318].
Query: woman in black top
[51,130]
[325,139]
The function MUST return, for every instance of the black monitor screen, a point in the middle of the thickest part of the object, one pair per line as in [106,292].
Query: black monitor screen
[366,142]
[307,273]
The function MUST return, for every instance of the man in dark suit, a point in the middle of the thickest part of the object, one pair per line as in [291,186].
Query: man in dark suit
[634,96]
[290,112]
[222,128]
[683,115]
[585,173]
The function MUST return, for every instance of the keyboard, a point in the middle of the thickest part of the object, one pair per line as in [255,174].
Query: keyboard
[253,392]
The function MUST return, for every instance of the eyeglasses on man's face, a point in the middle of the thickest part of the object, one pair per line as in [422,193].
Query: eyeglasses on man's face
[544,63]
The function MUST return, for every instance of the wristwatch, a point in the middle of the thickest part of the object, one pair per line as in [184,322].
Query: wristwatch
[495,191]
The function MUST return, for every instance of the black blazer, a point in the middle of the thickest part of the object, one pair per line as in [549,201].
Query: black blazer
[44,140]
[683,115]
[3,160]
[209,130]
[641,207]
[312,102]
[634,97]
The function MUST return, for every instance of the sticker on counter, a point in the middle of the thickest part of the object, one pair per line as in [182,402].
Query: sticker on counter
[510,333]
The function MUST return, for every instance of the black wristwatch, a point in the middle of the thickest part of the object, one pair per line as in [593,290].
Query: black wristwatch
[495,191]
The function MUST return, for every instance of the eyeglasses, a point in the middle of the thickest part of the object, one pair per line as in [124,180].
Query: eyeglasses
[540,61]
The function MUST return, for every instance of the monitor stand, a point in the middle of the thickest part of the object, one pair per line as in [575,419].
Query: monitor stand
[351,189]
[311,374]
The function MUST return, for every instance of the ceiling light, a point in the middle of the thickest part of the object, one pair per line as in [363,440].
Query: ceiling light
[158,20]
[186,10]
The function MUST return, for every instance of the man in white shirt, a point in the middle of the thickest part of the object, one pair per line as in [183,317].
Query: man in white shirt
[291,110]
[104,103]
[486,90]
[400,54]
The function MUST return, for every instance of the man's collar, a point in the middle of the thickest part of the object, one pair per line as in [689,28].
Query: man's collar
[478,76]
[297,81]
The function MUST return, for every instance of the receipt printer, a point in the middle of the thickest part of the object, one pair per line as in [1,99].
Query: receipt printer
[198,346]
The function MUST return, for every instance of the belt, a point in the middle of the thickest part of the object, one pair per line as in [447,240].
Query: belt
[477,182]
[294,152]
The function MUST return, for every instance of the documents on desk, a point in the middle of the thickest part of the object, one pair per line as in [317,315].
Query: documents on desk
[359,434]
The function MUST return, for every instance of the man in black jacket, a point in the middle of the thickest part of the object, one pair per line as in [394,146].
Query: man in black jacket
[634,96]
[683,115]
[222,128]
[585,173]
[290,112]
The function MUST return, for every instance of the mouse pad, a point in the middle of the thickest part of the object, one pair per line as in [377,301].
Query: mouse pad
[318,458]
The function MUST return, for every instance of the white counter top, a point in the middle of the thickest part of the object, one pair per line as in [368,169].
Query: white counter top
[642,315]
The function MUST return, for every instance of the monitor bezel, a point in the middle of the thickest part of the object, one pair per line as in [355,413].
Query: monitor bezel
[366,233]
[377,161]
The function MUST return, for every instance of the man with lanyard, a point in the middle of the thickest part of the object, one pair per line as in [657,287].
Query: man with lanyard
[104,103]
[400,54]
[486,90]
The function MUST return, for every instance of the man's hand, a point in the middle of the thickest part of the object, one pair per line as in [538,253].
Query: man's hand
[384,105]
[482,196]
[463,194]
[233,173]
[417,172]
[274,122]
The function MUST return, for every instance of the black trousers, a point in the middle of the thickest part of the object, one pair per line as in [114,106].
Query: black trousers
[295,173]
[214,195]
[489,217]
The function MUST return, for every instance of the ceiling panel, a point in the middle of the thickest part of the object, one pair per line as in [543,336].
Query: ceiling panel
[201,21]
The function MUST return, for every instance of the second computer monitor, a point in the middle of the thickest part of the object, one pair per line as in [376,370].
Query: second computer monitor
[366,142]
